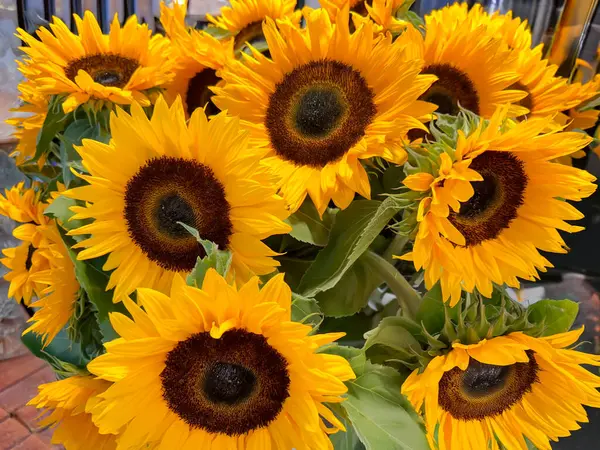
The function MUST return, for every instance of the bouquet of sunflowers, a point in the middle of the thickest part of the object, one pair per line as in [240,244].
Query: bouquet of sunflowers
[298,229]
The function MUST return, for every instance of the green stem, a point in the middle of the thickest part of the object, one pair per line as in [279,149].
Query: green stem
[407,297]
[395,248]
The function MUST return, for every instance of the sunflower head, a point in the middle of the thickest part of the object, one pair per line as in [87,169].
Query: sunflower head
[58,297]
[318,106]
[546,93]
[201,173]
[504,390]
[218,367]
[198,59]
[172,19]
[383,14]
[24,206]
[475,69]
[244,18]
[119,67]
[24,262]
[28,122]
[486,208]
[359,9]
[68,403]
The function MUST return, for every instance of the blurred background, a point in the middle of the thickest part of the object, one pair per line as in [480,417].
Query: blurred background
[569,30]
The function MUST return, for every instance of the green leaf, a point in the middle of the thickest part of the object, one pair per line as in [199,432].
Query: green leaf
[306,310]
[557,316]
[294,269]
[355,356]
[60,210]
[93,282]
[431,311]
[382,417]
[76,131]
[220,260]
[61,348]
[392,178]
[392,333]
[308,227]
[73,135]
[84,328]
[352,291]
[346,440]
[55,122]
[354,230]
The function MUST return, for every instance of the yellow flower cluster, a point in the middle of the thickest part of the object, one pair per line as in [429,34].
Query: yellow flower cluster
[229,131]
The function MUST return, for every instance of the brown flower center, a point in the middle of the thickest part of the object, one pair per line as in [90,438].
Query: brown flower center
[318,112]
[106,69]
[453,88]
[496,200]
[360,8]
[230,385]
[199,94]
[485,390]
[167,192]
[28,260]
[526,102]
[250,33]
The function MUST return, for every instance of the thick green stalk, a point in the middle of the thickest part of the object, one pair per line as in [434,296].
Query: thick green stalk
[407,297]
[395,248]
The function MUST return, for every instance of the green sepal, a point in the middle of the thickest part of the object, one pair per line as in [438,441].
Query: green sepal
[220,260]
[438,326]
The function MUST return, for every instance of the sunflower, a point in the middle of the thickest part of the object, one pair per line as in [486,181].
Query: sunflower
[218,368]
[202,174]
[197,58]
[576,119]
[119,67]
[23,262]
[324,102]
[381,12]
[504,390]
[27,127]
[172,19]
[244,18]
[23,205]
[494,200]
[61,291]
[68,402]
[475,70]
[547,93]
